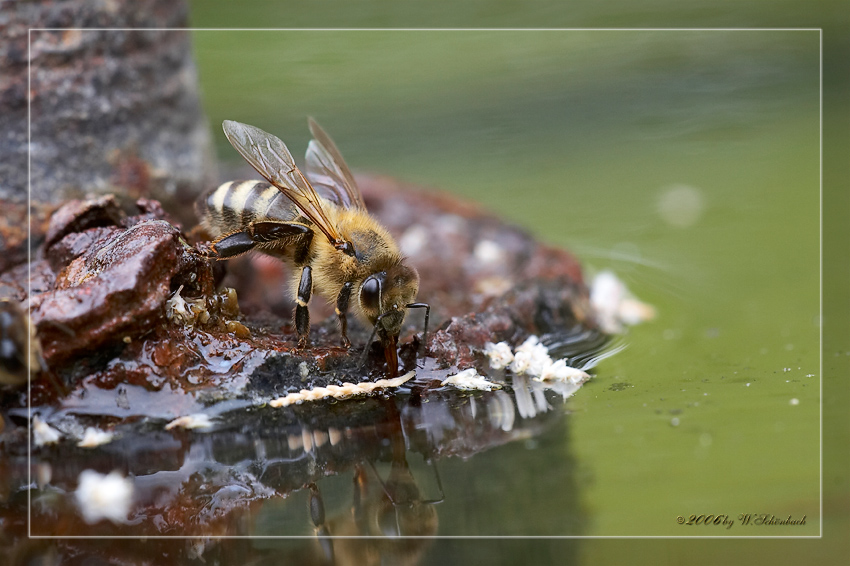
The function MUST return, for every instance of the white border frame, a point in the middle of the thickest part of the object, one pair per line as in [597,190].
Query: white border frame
[673,537]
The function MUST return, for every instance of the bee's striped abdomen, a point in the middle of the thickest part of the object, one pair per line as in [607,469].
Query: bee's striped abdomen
[236,204]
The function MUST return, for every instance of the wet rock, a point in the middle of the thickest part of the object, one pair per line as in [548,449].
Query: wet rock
[37,276]
[118,269]
[114,291]
[75,244]
[122,298]
[13,283]
[128,313]
[107,271]
[531,309]
[78,215]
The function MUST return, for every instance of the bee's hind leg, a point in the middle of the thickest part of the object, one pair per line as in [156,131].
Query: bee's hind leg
[232,245]
[265,231]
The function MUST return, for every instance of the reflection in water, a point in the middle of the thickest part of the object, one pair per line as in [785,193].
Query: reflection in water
[240,479]
[388,509]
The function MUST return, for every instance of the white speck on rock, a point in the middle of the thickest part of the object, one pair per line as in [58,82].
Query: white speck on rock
[531,358]
[43,433]
[469,379]
[500,354]
[560,371]
[94,437]
[198,420]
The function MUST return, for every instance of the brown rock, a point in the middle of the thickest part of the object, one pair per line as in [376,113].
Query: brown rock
[113,291]
[75,244]
[79,215]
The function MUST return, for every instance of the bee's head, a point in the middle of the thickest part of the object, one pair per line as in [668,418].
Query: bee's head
[384,296]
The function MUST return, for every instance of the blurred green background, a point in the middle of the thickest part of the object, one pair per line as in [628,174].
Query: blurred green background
[686,161]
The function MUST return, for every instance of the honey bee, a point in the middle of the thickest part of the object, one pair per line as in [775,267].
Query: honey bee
[318,225]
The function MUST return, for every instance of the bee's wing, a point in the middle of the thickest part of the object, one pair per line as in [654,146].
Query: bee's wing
[269,156]
[327,169]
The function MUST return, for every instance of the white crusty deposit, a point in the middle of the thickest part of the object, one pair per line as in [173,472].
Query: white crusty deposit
[341,391]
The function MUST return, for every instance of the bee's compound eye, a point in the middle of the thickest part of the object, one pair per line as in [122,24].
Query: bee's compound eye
[370,293]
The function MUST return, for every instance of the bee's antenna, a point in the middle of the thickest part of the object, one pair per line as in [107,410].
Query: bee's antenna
[427,308]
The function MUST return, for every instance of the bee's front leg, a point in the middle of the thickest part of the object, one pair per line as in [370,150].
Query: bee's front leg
[302,314]
[341,309]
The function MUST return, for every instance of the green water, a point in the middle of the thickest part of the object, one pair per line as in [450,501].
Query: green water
[580,136]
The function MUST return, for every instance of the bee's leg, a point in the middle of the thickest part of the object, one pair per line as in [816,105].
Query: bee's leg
[232,245]
[302,315]
[270,230]
[341,309]
[257,233]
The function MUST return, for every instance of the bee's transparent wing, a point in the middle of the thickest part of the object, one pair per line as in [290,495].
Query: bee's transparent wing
[270,157]
[327,170]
